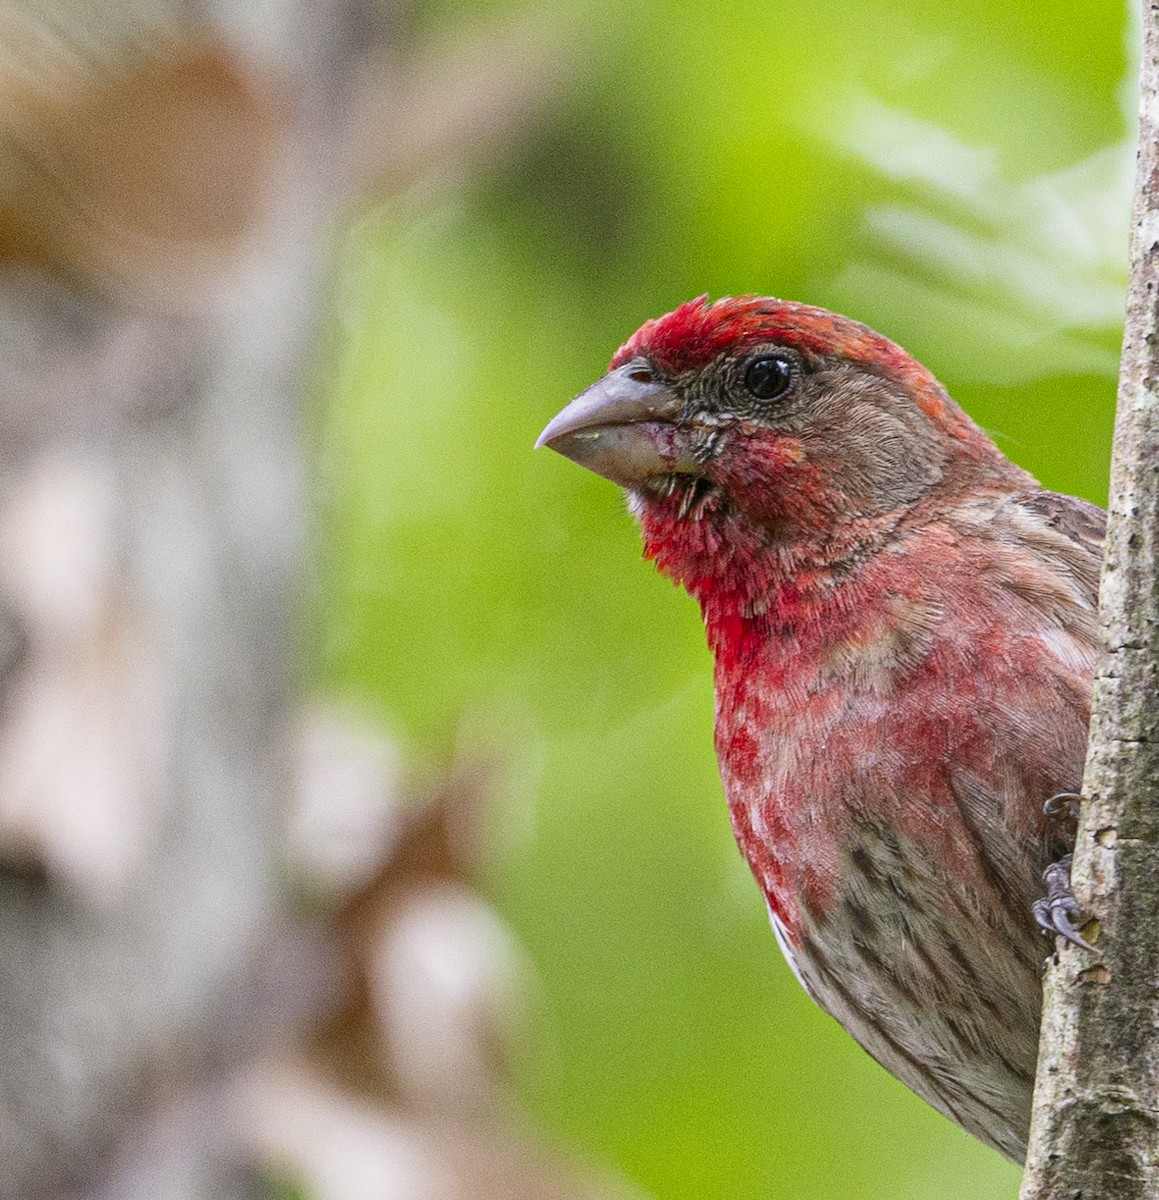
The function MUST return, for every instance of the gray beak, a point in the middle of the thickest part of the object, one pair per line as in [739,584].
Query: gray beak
[624,427]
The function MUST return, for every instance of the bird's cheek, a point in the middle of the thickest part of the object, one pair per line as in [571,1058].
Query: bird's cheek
[759,461]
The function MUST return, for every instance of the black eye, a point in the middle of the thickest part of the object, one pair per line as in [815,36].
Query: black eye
[767,377]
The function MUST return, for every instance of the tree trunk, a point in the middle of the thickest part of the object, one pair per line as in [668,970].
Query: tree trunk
[150,519]
[1095,1126]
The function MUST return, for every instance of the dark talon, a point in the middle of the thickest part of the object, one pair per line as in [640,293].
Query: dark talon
[1063,804]
[1055,912]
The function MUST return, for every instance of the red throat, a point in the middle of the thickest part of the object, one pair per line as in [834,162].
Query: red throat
[769,614]
[750,587]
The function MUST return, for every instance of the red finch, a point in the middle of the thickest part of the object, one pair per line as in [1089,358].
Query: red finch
[903,626]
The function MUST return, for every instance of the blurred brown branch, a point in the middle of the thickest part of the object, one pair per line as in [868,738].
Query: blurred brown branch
[147,173]
[404,1088]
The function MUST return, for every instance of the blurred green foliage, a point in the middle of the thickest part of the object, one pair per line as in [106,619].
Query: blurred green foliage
[955,175]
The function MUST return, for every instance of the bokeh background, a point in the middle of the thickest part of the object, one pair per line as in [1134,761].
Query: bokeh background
[361,836]
[956,176]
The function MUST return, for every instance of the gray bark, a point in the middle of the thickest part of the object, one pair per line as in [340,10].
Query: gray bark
[150,520]
[1095,1126]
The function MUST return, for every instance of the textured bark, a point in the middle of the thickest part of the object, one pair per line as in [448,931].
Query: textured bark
[150,521]
[1095,1126]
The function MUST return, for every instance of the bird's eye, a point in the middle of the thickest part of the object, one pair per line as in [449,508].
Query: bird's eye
[767,377]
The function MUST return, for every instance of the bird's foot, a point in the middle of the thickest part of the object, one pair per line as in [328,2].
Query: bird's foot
[1058,910]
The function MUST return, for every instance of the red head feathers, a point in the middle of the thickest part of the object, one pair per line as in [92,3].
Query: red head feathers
[692,335]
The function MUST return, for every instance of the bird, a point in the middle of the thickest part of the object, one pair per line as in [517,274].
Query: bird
[903,626]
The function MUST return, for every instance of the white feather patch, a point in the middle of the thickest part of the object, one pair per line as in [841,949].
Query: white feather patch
[782,936]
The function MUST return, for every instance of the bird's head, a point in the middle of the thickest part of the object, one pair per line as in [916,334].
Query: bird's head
[796,421]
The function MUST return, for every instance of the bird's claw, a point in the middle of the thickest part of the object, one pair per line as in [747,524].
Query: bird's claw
[1062,805]
[1057,911]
